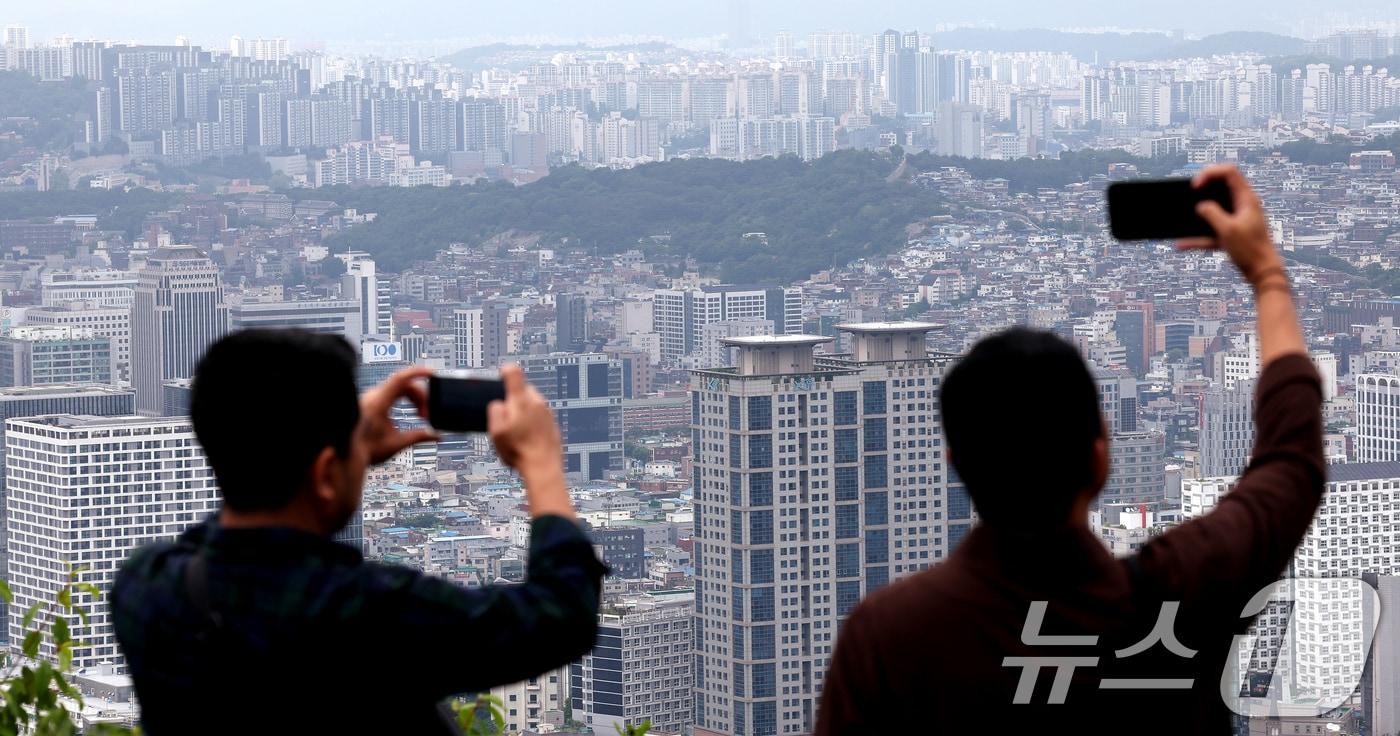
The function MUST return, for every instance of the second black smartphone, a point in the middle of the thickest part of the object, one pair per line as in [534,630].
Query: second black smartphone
[457,400]
[1162,209]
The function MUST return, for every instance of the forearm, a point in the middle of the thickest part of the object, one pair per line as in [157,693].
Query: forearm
[1279,331]
[546,493]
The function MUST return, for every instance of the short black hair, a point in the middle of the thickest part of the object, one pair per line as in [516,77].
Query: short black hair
[265,403]
[1020,415]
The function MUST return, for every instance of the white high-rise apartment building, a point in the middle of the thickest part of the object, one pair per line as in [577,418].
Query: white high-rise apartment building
[177,313]
[362,283]
[642,667]
[1377,400]
[817,480]
[479,335]
[680,314]
[111,322]
[1353,534]
[268,49]
[103,287]
[16,37]
[85,491]
[713,353]
[1241,362]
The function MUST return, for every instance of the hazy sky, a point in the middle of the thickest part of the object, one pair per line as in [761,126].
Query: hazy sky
[312,21]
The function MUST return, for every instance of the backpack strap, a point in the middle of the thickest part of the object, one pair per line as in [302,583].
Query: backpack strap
[197,588]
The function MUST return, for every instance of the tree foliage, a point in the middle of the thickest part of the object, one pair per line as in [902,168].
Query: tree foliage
[1029,174]
[812,215]
[116,209]
[43,113]
[33,687]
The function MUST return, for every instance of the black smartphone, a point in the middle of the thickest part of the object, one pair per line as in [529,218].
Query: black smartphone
[1162,209]
[457,399]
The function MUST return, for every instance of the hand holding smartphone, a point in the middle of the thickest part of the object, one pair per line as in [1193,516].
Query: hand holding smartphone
[457,399]
[1163,209]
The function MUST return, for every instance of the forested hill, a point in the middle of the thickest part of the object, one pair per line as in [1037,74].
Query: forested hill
[814,215]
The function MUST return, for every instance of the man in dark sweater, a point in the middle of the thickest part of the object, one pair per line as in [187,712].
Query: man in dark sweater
[1030,625]
[257,622]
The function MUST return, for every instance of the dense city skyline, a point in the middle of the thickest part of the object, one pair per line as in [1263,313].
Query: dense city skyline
[555,21]
[739,277]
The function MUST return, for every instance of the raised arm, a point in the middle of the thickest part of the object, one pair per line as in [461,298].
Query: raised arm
[475,639]
[1221,559]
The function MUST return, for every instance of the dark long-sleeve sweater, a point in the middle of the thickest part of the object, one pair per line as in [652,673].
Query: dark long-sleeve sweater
[312,639]
[929,654]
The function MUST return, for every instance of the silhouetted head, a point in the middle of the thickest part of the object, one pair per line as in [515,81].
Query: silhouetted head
[276,412]
[1021,418]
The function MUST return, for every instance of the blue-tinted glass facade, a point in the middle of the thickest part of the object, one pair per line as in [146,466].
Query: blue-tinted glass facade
[760,489]
[877,546]
[874,397]
[875,435]
[847,451]
[844,408]
[877,508]
[848,521]
[876,471]
[847,483]
[761,451]
[760,412]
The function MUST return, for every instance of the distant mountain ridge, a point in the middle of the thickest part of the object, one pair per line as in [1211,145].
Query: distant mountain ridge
[1105,47]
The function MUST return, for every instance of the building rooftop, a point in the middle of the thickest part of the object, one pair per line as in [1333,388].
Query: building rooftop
[87,421]
[61,389]
[1346,472]
[903,326]
[759,341]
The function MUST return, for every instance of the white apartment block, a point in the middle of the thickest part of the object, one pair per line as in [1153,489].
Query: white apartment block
[362,284]
[533,703]
[1377,400]
[817,481]
[642,667]
[111,322]
[1354,533]
[104,287]
[85,491]
[680,314]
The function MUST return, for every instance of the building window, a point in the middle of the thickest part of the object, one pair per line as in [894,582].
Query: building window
[875,435]
[877,546]
[760,413]
[846,447]
[847,483]
[761,451]
[761,489]
[847,595]
[848,521]
[848,560]
[876,508]
[874,397]
[876,471]
[845,410]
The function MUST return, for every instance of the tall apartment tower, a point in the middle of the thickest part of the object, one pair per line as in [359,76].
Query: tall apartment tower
[154,485]
[1227,429]
[1377,417]
[641,667]
[177,312]
[679,315]
[479,335]
[362,283]
[817,480]
[571,322]
[1347,539]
